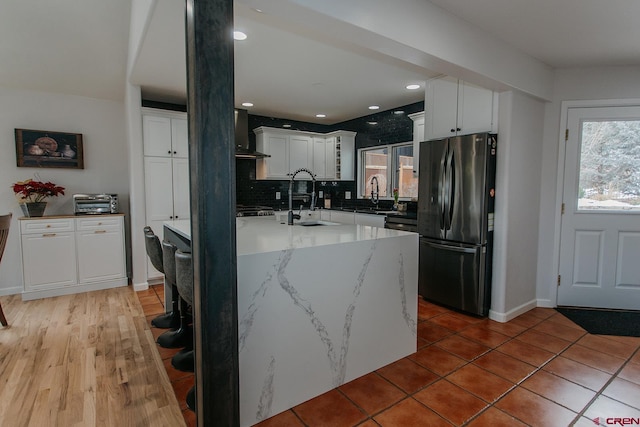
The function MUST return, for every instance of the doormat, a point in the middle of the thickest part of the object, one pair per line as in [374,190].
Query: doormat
[604,322]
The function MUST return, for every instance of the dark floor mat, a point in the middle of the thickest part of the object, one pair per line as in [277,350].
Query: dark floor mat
[605,322]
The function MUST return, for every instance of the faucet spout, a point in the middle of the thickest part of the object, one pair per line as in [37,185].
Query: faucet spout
[291,216]
[375,194]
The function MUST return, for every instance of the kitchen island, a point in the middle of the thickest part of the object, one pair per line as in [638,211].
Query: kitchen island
[318,306]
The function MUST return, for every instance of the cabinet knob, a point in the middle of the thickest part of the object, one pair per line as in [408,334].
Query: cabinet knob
[175,152]
[453,130]
[458,129]
[169,152]
[48,225]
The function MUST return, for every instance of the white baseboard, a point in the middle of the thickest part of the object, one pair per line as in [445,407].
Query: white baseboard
[140,286]
[68,290]
[512,314]
[11,291]
[546,303]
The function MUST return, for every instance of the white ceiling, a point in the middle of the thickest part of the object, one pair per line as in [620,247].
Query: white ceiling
[80,47]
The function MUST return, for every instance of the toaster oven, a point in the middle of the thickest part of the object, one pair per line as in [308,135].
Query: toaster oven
[95,204]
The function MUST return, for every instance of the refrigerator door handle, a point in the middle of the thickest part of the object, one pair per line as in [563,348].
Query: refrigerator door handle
[452,248]
[442,196]
[452,187]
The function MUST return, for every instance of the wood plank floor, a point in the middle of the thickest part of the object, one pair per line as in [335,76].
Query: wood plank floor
[82,360]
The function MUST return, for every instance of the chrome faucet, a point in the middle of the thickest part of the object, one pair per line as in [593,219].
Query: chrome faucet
[375,195]
[291,216]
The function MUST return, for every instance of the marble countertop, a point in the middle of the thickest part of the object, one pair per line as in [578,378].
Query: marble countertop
[266,234]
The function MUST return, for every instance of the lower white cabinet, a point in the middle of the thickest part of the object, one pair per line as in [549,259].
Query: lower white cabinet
[66,255]
[373,220]
[343,217]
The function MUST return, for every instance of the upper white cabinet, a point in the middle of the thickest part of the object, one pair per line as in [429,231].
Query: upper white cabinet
[418,136]
[165,134]
[455,107]
[329,156]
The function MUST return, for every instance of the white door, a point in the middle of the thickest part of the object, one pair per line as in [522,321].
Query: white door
[600,237]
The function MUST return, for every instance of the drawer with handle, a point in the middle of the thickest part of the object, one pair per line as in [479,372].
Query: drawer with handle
[48,226]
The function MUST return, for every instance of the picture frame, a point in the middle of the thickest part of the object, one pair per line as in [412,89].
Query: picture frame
[48,149]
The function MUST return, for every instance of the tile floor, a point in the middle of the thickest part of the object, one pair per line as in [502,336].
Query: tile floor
[539,369]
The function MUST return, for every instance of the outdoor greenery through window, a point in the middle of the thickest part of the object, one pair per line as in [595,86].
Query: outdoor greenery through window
[610,165]
[392,165]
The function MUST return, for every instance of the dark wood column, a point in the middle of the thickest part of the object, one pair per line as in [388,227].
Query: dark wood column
[209,26]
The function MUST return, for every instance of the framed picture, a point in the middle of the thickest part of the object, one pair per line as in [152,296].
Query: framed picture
[45,149]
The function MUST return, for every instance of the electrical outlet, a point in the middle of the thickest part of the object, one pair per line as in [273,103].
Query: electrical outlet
[277,195]
[321,194]
[347,195]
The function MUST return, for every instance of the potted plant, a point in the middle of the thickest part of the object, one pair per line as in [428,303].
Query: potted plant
[32,195]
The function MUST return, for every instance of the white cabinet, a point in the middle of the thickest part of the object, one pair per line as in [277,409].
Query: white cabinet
[418,137]
[329,156]
[66,255]
[372,220]
[455,107]
[166,170]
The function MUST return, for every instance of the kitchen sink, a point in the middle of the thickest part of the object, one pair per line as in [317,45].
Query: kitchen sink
[313,223]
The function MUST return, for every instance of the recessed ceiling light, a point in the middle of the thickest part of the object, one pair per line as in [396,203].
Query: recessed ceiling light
[321,116]
[239,35]
[286,125]
[247,104]
[372,123]
[374,107]
[398,112]
[258,10]
[413,87]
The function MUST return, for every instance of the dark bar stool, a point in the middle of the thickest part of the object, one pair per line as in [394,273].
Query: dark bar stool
[180,337]
[184,359]
[154,252]
[5,223]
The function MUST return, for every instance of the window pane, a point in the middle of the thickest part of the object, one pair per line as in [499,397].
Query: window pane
[375,164]
[406,183]
[610,165]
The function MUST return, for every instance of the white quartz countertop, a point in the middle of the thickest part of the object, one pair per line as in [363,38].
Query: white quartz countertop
[266,234]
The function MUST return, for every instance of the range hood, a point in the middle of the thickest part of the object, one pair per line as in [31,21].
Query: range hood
[242,137]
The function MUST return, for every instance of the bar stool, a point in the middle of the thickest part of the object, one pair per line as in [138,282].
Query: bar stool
[175,338]
[5,223]
[154,252]
[184,359]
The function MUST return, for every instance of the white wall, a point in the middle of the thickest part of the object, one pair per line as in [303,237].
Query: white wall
[102,125]
[601,83]
[517,199]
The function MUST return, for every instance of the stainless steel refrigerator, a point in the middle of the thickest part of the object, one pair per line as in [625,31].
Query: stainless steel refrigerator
[455,221]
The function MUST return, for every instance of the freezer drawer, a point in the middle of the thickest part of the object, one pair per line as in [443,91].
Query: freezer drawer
[454,275]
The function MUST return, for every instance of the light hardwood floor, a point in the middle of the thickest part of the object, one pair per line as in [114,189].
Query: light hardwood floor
[82,360]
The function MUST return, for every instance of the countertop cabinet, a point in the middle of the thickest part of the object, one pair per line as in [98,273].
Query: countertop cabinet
[372,220]
[455,107]
[65,255]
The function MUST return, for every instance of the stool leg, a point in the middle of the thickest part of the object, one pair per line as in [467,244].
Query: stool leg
[191,399]
[180,337]
[3,320]
[172,319]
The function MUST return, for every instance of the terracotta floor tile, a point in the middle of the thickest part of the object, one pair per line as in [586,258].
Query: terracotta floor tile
[631,372]
[450,401]
[560,331]
[467,317]
[635,358]
[607,345]
[372,393]
[410,413]
[330,409]
[151,309]
[527,353]
[544,341]
[493,417]
[593,358]
[534,409]
[624,391]
[173,373]
[422,343]
[181,387]
[426,310]
[484,335]
[577,373]
[408,375]
[632,341]
[167,353]
[450,321]
[510,329]
[283,419]
[559,390]
[431,332]
[437,360]
[565,321]
[482,383]
[368,423]
[505,366]
[527,320]
[607,407]
[462,347]
[149,299]
[146,292]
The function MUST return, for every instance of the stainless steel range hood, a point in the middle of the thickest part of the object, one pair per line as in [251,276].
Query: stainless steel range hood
[242,137]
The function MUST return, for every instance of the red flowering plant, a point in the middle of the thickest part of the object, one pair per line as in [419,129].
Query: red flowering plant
[31,191]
